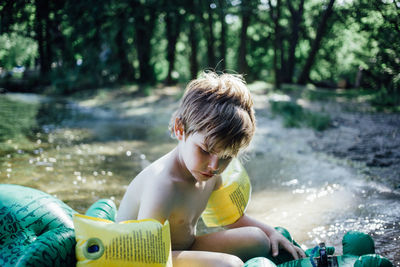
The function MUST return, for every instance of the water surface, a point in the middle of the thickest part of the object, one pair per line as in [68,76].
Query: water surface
[83,151]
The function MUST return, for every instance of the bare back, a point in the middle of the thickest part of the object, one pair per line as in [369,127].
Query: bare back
[158,193]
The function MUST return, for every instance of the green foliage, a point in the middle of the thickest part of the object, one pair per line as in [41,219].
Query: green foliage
[321,94]
[386,101]
[16,50]
[295,116]
[16,118]
[381,100]
[292,113]
[127,41]
[380,20]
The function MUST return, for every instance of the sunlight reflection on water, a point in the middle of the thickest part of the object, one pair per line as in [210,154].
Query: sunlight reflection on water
[85,158]
[317,197]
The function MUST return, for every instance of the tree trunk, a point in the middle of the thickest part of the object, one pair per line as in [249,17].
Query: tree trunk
[144,27]
[6,16]
[295,22]
[126,72]
[281,49]
[173,21]
[275,16]
[193,22]
[194,66]
[42,13]
[209,33]
[242,62]
[305,74]
[222,48]
[211,43]
[59,40]
[48,36]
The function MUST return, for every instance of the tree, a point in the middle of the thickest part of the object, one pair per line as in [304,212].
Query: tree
[275,13]
[295,23]
[42,26]
[173,19]
[193,22]
[17,39]
[222,47]
[207,21]
[81,44]
[145,15]
[381,20]
[245,12]
[322,28]
[126,70]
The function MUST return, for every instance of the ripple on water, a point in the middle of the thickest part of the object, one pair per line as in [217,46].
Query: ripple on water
[81,157]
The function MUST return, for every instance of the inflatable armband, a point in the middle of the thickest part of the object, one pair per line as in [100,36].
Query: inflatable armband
[102,242]
[228,203]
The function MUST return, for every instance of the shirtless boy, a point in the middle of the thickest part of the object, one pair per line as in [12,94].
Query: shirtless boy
[215,120]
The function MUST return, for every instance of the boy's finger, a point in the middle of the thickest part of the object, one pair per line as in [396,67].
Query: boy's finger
[300,252]
[275,249]
[292,251]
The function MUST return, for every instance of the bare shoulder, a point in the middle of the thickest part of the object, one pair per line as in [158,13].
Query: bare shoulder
[146,188]
[158,191]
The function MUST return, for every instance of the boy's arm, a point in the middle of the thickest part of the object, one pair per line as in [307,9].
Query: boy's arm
[153,202]
[277,239]
[157,203]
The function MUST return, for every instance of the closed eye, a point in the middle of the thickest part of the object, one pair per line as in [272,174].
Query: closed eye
[203,150]
[226,157]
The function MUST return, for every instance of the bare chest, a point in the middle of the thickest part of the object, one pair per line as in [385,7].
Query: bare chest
[190,203]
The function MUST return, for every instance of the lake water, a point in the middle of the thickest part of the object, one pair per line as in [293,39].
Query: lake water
[81,152]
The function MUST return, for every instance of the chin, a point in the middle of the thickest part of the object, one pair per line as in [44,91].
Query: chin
[203,178]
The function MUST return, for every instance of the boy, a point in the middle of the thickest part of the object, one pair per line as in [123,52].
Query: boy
[214,121]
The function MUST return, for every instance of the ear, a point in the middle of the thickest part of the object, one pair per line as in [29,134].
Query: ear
[179,129]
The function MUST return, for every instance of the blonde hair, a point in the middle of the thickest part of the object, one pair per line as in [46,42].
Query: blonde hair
[221,107]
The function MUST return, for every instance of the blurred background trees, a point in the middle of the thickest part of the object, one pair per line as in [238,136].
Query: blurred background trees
[75,45]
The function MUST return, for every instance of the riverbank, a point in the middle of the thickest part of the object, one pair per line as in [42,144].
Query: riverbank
[369,140]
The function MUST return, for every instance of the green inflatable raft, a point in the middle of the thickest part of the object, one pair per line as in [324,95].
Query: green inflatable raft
[36,229]
[358,251]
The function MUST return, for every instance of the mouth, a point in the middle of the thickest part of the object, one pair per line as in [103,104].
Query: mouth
[209,175]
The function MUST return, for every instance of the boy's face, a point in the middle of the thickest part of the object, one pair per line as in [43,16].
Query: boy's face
[201,163]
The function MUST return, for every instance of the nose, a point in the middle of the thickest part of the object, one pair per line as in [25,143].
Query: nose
[213,164]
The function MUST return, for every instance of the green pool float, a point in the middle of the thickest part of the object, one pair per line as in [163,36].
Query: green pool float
[36,229]
[358,251]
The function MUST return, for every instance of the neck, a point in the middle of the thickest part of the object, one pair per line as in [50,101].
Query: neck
[179,167]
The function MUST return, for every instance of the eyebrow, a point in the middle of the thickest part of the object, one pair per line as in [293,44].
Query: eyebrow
[222,154]
[204,147]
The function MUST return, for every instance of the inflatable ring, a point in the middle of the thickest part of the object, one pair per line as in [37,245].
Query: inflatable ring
[36,229]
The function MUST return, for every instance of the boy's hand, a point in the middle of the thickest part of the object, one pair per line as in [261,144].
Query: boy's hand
[279,241]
